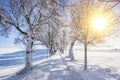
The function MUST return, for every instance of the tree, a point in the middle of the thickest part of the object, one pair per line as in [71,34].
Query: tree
[27,17]
[73,37]
[52,35]
[83,19]
[49,38]
[63,37]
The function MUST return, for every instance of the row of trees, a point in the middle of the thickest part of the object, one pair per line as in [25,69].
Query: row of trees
[35,20]
[44,21]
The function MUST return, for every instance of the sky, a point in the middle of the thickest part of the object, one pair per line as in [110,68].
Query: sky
[8,42]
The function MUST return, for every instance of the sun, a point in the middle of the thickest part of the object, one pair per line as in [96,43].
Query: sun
[99,23]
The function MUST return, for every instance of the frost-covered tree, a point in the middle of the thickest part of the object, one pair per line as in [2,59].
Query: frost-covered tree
[27,17]
[62,40]
[49,39]
[52,35]
[93,21]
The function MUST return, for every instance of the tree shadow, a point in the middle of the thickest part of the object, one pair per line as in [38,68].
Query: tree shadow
[18,58]
[57,70]
[99,73]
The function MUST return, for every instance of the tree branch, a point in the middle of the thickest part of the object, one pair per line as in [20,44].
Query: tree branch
[16,27]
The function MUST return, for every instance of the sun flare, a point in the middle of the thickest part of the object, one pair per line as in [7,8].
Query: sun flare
[99,23]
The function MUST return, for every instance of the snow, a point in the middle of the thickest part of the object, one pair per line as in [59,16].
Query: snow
[102,65]
[10,50]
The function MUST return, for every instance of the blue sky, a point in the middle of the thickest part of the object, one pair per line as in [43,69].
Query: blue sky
[8,42]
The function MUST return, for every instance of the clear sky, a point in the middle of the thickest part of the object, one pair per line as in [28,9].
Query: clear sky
[8,42]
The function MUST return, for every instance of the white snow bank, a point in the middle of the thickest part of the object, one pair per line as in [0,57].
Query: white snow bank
[8,50]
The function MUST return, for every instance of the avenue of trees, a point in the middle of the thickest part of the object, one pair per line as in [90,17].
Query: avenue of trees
[44,22]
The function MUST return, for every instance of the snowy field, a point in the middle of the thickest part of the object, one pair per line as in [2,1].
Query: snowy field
[102,65]
[12,62]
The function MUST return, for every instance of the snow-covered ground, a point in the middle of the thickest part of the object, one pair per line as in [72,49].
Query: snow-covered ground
[11,61]
[10,50]
[102,65]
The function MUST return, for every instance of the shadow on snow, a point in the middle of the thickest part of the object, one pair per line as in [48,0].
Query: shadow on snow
[17,58]
[53,70]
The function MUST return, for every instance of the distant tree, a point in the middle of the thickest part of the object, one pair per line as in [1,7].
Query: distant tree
[63,36]
[49,39]
[82,15]
[52,35]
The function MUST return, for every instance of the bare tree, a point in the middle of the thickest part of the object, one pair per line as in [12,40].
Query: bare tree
[82,15]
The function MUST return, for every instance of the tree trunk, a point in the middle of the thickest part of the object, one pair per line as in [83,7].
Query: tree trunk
[61,50]
[51,52]
[71,55]
[28,63]
[85,56]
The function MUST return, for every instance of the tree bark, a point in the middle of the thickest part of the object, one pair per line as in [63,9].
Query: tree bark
[28,63]
[71,55]
[85,56]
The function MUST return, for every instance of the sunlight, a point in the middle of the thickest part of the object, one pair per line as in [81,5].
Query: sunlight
[99,23]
